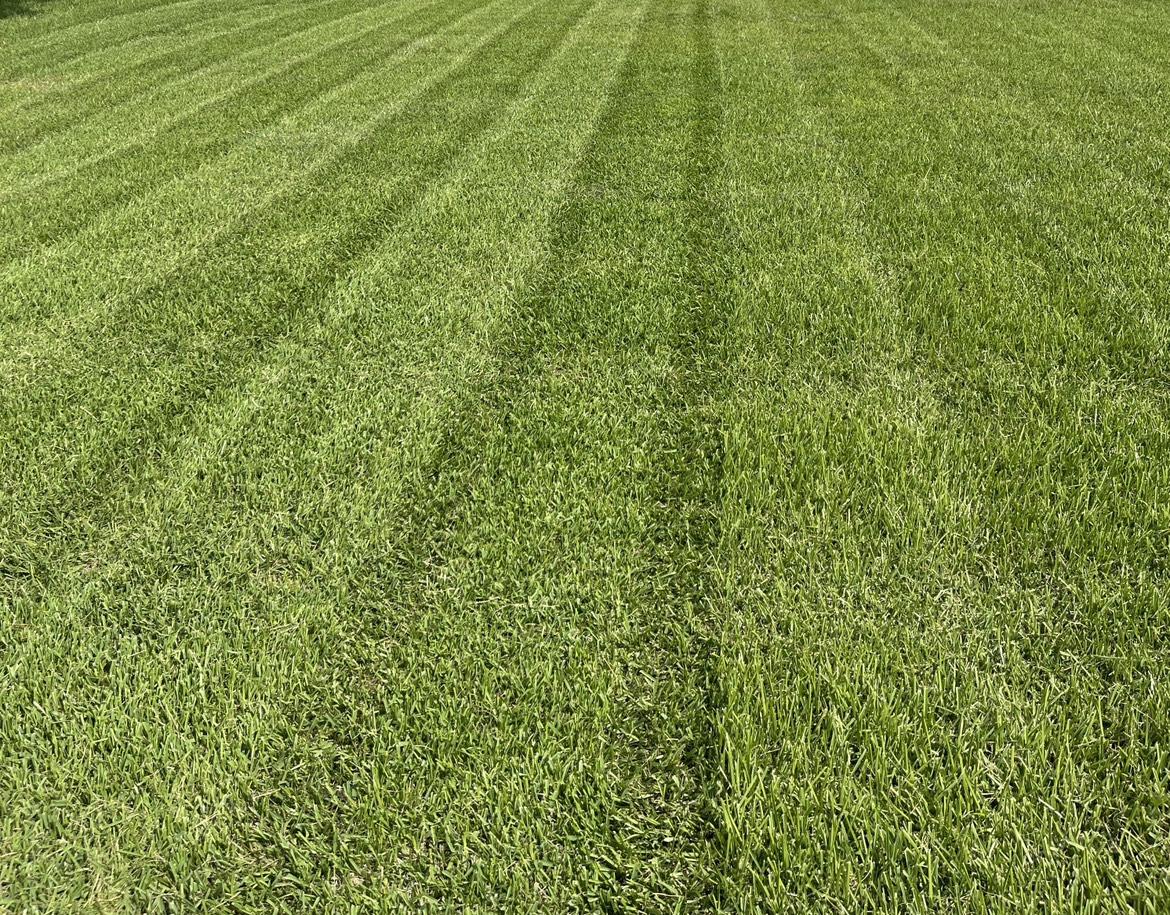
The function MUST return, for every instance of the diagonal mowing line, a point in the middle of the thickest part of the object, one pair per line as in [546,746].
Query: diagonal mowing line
[328,283]
[54,53]
[80,65]
[103,625]
[336,150]
[310,288]
[369,622]
[429,509]
[193,38]
[92,28]
[50,221]
[48,151]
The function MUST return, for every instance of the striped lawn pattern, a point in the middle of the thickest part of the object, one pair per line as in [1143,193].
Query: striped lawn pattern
[595,456]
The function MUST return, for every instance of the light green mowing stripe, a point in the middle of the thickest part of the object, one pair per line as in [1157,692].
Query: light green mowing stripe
[139,120]
[49,79]
[130,249]
[51,214]
[935,560]
[29,40]
[207,783]
[61,18]
[66,95]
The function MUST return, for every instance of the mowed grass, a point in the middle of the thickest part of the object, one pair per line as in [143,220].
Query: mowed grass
[593,456]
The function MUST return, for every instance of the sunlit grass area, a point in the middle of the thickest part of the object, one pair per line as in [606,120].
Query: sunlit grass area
[592,456]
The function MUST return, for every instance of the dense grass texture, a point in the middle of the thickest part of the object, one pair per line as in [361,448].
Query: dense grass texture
[585,456]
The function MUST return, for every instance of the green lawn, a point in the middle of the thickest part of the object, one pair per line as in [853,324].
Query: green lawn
[585,456]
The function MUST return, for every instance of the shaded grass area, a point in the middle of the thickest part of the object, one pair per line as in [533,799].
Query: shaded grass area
[17,8]
[600,456]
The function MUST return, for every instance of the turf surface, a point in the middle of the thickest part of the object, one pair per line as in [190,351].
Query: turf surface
[604,455]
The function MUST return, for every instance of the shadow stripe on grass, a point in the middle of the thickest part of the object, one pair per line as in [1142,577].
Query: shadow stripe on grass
[688,528]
